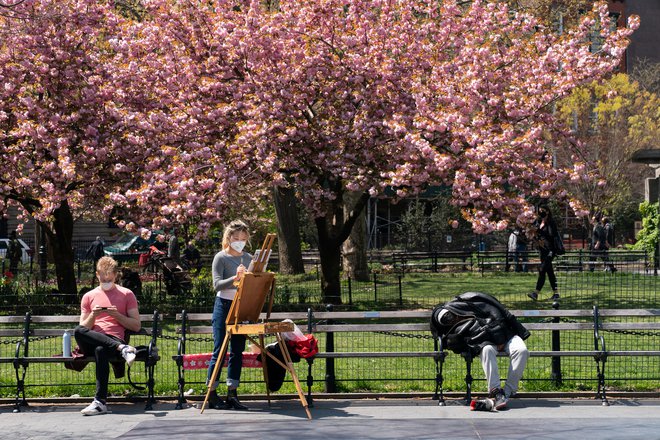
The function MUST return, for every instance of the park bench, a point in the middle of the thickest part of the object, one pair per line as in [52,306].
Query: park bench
[432,261]
[398,322]
[193,326]
[28,329]
[409,324]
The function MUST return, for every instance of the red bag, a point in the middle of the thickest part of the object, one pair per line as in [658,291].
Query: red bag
[305,348]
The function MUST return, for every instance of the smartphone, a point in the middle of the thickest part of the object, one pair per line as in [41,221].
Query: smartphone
[103,308]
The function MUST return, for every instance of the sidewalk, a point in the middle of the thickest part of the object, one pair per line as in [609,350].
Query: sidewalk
[344,419]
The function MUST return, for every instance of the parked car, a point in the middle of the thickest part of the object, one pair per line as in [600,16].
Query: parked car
[4,244]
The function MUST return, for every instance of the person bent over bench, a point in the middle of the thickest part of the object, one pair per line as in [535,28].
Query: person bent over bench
[478,324]
[106,312]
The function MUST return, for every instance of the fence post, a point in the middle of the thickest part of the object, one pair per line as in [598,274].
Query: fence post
[310,360]
[400,290]
[350,292]
[330,383]
[375,288]
[43,263]
[580,260]
[556,346]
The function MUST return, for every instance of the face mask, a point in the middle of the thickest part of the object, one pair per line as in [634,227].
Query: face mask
[237,245]
[107,286]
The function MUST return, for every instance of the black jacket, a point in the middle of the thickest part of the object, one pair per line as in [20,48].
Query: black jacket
[480,320]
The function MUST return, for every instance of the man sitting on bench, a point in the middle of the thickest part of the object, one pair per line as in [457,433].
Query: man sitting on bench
[478,324]
[106,312]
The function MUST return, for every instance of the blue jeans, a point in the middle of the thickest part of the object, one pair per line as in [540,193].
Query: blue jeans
[236,346]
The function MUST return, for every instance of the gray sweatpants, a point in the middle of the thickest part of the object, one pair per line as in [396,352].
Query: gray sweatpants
[517,351]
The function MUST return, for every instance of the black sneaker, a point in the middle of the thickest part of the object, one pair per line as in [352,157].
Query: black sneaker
[533,295]
[555,296]
[500,399]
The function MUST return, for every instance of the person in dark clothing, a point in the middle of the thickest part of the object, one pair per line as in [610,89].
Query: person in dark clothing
[95,250]
[546,233]
[173,250]
[609,239]
[521,251]
[599,244]
[192,258]
[478,324]
[14,253]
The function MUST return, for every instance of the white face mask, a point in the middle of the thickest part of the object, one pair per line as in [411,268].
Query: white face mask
[107,286]
[237,245]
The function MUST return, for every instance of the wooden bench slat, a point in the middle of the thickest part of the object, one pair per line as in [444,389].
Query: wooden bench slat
[629,312]
[41,319]
[552,313]
[634,353]
[11,332]
[279,316]
[323,328]
[11,319]
[630,326]
[58,332]
[54,359]
[559,325]
[378,354]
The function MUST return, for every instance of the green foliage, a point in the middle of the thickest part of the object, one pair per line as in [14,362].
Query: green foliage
[426,223]
[648,237]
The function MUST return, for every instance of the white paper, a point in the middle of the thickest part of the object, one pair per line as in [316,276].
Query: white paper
[255,257]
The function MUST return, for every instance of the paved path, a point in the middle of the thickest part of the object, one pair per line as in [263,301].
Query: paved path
[344,419]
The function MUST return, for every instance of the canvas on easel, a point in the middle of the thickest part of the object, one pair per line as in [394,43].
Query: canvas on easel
[253,290]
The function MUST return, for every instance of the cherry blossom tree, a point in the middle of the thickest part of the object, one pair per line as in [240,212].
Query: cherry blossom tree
[357,96]
[203,106]
[74,119]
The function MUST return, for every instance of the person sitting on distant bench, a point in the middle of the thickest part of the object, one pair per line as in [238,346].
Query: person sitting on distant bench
[192,258]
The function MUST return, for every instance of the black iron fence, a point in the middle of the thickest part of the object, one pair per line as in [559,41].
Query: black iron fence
[621,280]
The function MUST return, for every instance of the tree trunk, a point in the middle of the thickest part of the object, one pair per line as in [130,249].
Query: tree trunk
[288,231]
[333,229]
[59,239]
[330,253]
[354,249]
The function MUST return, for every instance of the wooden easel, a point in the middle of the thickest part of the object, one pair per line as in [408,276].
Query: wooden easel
[251,295]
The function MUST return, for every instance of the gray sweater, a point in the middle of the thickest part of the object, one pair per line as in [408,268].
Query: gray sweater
[224,272]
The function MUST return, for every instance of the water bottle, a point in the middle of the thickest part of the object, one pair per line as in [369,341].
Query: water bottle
[66,344]
[482,405]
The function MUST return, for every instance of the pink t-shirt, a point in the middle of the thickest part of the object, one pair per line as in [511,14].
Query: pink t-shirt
[118,296]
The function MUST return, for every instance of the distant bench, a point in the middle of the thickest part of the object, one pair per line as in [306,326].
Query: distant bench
[41,327]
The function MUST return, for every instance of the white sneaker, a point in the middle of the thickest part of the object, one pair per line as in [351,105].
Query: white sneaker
[95,408]
[128,353]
